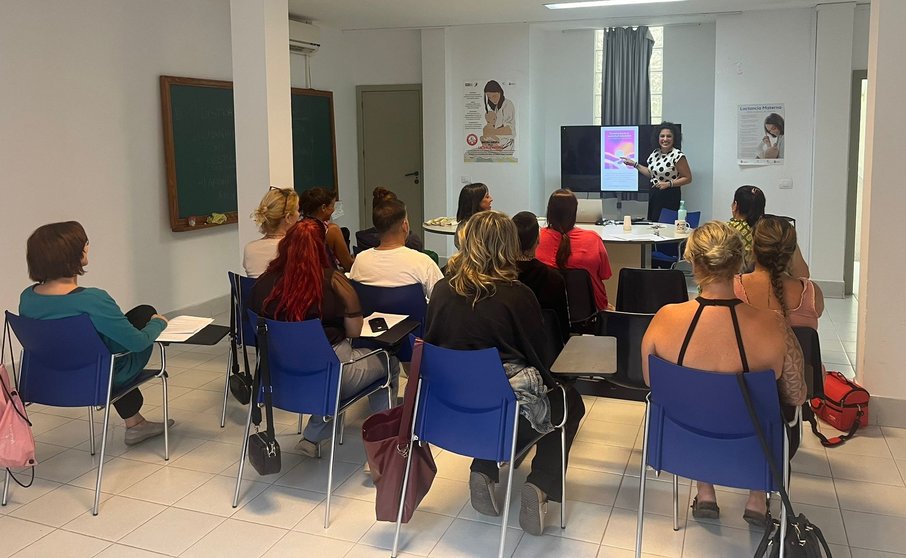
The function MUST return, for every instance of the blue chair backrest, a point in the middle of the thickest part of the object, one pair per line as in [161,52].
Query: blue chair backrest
[670,216]
[699,427]
[304,368]
[240,300]
[64,361]
[408,299]
[466,404]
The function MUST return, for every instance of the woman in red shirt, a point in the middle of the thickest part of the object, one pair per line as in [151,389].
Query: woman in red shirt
[564,246]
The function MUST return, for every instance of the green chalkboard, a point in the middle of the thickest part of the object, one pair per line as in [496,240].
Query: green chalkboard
[314,142]
[200,147]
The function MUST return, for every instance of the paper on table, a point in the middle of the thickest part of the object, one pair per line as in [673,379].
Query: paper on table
[181,328]
[635,237]
[391,319]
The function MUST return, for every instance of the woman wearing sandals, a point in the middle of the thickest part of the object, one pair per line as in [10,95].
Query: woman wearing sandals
[716,252]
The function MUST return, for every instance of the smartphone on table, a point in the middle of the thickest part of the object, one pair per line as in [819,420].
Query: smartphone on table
[378,324]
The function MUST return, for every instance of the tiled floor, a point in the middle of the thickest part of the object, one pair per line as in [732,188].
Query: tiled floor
[855,493]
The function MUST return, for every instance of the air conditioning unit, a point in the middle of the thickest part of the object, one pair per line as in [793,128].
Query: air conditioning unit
[304,38]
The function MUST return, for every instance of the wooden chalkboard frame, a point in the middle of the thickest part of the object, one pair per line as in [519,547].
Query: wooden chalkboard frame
[333,127]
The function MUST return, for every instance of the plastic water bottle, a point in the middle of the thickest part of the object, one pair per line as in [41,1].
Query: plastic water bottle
[681,213]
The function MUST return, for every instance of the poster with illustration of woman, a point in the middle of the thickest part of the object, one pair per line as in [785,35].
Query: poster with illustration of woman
[489,121]
[760,139]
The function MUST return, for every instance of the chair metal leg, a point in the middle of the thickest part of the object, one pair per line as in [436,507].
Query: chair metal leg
[675,503]
[333,454]
[97,485]
[509,485]
[399,513]
[563,476]
[642,479]
[299,428]
[786,486]
[226,389]
[5,489]
[243,452]
[166,419]
[91,447]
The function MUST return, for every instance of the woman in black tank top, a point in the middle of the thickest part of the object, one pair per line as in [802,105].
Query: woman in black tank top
[702,333]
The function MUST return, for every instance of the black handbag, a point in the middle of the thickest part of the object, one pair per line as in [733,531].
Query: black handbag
[803,538]
[263,450]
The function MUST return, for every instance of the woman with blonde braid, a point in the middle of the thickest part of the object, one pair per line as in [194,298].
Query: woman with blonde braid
[771,285]
[277,212]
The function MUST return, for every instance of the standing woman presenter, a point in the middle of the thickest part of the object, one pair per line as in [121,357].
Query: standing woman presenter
[668,169]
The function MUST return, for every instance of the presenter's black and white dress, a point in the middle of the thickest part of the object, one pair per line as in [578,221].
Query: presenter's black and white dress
[663,169]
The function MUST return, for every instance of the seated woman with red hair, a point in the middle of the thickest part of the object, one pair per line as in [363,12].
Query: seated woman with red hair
[301,284]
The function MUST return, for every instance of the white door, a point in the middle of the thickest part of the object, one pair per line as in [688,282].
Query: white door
[390,148]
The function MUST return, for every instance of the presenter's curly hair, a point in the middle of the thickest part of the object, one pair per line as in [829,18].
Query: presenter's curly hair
[487,255]
[276,204]
[773,245]
[300,262]
[716,252]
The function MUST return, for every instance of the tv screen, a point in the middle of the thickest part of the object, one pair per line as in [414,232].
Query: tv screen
[590,157]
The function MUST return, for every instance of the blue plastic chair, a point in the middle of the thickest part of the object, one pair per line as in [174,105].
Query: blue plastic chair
[464,404]
[65,364]
[408,300]
[712,441]
[242,332]
[670,254]
[305,378]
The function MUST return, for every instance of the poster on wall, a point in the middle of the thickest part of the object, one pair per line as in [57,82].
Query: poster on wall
[760,132]
[489,115]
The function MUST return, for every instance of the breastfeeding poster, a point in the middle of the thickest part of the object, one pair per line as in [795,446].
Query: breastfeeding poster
[760,134]
[618,142]
[489,116]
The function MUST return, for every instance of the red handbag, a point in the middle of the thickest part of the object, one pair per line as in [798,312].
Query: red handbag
[844,406]
[386,437]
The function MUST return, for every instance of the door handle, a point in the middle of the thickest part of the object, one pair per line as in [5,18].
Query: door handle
[415,174]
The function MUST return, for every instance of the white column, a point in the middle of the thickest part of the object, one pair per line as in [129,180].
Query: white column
[833,77]
[882,304]
[261,100]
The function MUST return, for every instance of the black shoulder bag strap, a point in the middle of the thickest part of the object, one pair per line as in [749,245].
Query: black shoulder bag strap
[799,526]
[263,380]
[10,390]
[809,415]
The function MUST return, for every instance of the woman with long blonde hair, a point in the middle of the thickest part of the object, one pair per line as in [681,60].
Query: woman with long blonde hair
[481,304]
[277,212]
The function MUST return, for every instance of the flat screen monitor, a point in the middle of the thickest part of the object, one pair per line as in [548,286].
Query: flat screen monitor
[590,157]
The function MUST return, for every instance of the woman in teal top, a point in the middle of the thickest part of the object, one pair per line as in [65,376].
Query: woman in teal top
[57,254]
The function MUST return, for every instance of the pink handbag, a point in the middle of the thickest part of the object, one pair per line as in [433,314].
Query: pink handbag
[17,445]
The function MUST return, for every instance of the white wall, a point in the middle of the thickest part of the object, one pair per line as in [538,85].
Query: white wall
[82,139]
[860,37]
[754,67]
[565,95]
[689,51]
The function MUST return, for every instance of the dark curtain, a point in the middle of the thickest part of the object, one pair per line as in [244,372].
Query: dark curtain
[625,90]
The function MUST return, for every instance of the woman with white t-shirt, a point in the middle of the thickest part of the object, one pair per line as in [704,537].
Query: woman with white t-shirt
[500,114]
[277,212]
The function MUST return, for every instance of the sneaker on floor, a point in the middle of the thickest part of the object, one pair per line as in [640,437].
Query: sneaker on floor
[533,510]
[309,448]
[483,496]
[145,430]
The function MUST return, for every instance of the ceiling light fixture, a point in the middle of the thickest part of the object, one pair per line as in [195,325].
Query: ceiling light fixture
[603,3]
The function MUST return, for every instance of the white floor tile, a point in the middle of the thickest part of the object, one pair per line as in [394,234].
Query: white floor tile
[17,534]
[584,522]
[123,551]
[67,465]
[60,506]
[814,490]
[235,538]
[446,497]
[216,496]
[119,517]
[473,538]
[658,536]
[303,544]
[592,487]
[871,498]
[610,433]
[599,457]
[863,553]
[172,531]
[209,457]
[530,547]
[419,536]
[280,506]
[167,485]
[708,540]
[658,496]
[811,462]
[349,519]
[63,543]
[19,496]
[862,468]
[869,441]
[311,474]
[875,532]
[119,474]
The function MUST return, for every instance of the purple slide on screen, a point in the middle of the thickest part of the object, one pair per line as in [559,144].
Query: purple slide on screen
[616,142]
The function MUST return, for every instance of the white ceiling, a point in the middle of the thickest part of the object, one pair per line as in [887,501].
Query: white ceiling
[394,14]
